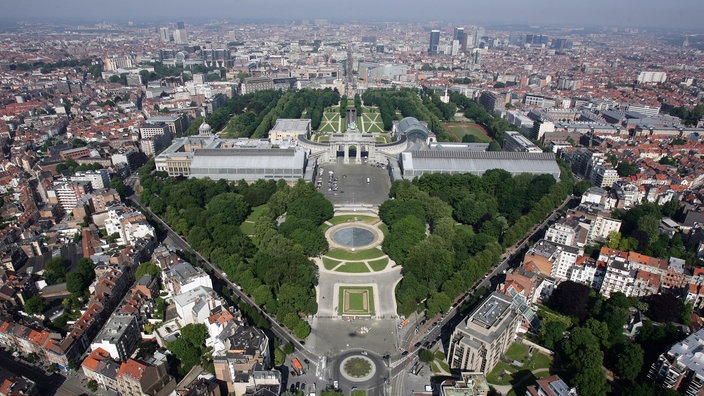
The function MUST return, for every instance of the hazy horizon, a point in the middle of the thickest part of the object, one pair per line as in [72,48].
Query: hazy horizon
[680,14]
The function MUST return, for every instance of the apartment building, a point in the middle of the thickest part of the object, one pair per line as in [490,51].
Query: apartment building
[478,343]
[118,337]
[681,368]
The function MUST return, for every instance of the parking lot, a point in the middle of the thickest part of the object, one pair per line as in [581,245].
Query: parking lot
[353,184]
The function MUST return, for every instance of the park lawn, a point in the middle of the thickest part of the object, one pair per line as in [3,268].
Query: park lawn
[356,300]
[354,267]
[327,127]
[381,139]
[460,130]
[373,128]
[329,263]
[342,254]
[537,360]
[359,392]
[345,218]
[247,227]
[517,352]
[493,377]
[378,265]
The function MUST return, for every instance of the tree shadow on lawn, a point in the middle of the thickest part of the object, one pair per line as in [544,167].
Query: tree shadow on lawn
[521,380]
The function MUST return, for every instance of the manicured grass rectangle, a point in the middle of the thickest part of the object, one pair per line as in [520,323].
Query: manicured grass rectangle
[356,267]
[356,300]
[460,130]
[359,393]
[378,265]
[346,218]
[538,361]
[357,255]
[327,127]
[329,264]
[517,352]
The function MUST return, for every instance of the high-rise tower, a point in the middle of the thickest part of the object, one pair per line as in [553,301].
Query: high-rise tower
[434,42]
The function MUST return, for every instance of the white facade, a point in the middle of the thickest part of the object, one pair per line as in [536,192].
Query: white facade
[601,228]
[562,234]
[564,261]
[184,277]
[618,278]
[129,225]
[583,273]
[195,305]
[651,77]
[98,178]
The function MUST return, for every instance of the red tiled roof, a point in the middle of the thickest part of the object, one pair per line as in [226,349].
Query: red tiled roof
[132,368]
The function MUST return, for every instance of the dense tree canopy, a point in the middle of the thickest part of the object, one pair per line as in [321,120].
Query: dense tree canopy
[273,266]
[189,348]
[35,305]
[148,268]
[55,271]
[492,209]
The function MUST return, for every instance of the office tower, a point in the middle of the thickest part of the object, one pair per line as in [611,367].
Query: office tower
[164,35]
[478,34]
[180,35]
[461,38]
[434,42]
[459,34]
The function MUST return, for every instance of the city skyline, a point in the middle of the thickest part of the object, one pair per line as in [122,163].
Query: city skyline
[648,13]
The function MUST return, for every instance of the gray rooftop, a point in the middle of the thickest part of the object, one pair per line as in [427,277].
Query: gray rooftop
[434,161]
[184,272]
[116,325]
[247,159]
[290,124]
[690,352]
[490,312]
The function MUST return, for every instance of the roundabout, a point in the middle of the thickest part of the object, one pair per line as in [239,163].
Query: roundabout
[357,368]
[361,370]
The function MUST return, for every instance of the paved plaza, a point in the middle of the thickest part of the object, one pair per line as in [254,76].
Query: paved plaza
[352,186]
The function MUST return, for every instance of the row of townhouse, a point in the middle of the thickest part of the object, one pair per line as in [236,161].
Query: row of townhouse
[630,273]
[131,377]
[50,347]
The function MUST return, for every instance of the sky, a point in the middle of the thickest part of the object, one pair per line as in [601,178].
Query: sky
[673,14]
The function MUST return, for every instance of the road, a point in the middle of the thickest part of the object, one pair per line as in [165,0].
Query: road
[46,383]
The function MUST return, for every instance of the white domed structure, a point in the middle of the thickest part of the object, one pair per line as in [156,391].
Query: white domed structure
[205,129]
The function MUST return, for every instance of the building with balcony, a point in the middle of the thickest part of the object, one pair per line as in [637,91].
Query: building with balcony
[478,342]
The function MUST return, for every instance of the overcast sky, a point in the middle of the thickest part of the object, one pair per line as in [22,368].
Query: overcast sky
[686,14]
